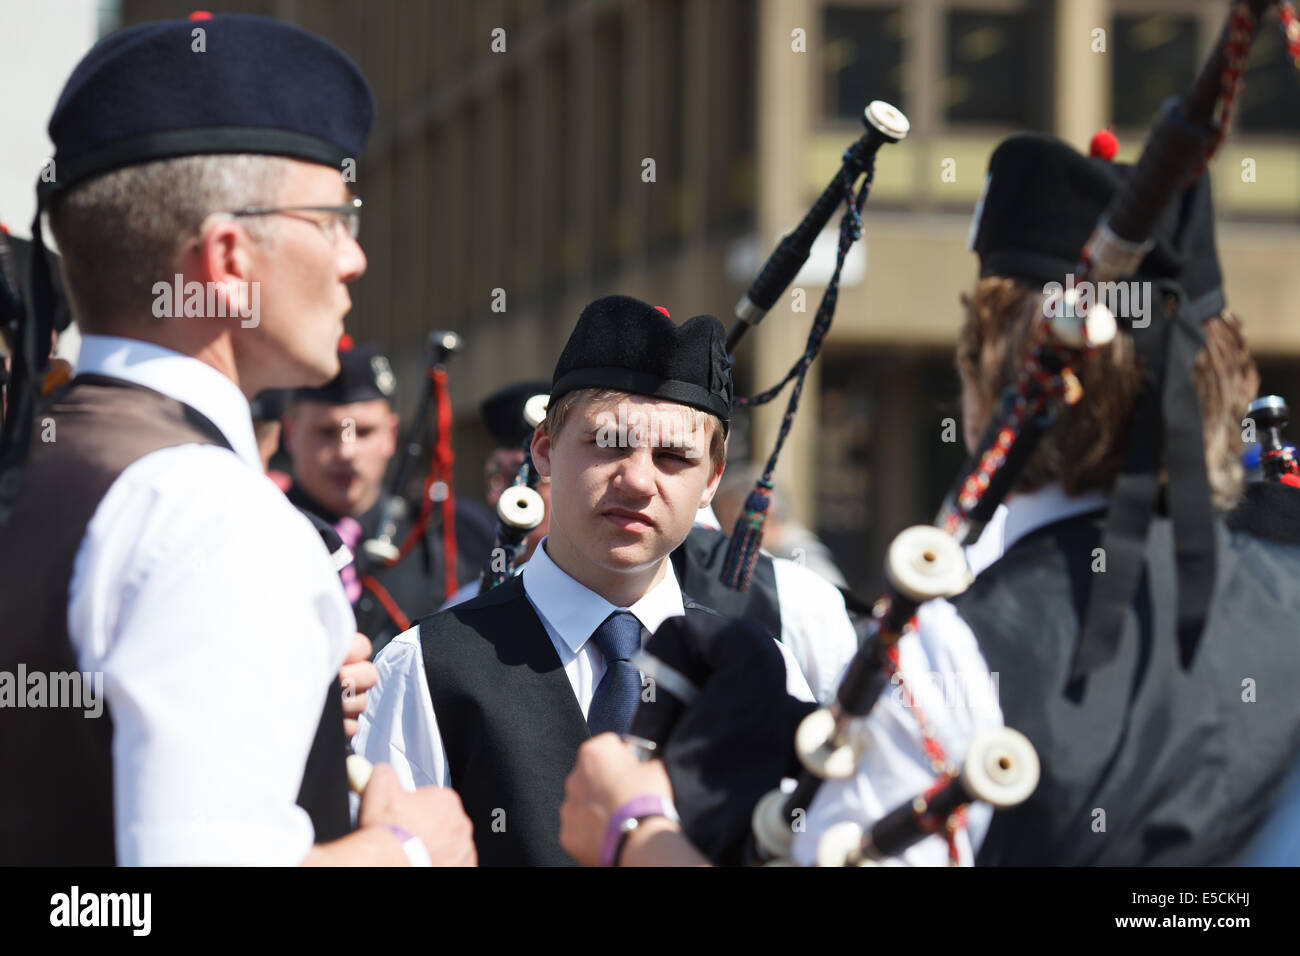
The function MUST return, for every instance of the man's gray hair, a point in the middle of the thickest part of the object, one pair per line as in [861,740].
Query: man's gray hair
[119,233]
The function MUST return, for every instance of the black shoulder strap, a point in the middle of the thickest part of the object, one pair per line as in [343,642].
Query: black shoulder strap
[1166,421]
[193,416]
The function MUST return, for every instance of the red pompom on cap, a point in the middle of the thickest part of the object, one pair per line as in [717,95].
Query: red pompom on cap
[664,311]
[201,15]
[1104,144]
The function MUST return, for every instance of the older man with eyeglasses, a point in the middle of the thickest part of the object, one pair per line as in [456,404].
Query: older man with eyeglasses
[139,539]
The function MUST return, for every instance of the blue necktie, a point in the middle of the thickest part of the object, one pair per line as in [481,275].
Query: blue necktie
[619,691]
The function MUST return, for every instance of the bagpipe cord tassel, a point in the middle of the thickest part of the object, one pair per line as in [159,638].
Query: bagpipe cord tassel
[742,553]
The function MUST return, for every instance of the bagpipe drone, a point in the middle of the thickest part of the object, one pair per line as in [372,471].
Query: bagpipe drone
[382,551]
[520,508]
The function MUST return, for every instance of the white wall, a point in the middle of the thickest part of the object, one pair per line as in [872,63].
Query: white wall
[40,42]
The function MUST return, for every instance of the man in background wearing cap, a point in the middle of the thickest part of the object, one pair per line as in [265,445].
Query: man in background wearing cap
[503,415]
[341,438]
[496,695]
[267,411]
[1155,747]
[171,568]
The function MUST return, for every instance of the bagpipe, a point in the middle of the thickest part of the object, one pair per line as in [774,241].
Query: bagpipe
[520,508]
[927,562]
[1277,457]
[885,124]
[382,551]
[1000,769]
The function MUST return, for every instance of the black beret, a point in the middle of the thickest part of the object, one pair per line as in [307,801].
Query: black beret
[364,375]
[503,412]
[1042,201]
[622,343]
[255,86]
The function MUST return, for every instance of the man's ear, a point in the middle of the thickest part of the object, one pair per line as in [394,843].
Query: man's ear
[222,256]
[541,448]
[711,488]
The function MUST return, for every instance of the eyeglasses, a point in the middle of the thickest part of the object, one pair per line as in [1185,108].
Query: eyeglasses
[349,216]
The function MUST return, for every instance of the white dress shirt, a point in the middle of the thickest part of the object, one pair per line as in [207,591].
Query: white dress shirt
[214,613]
[944,669]
[399,726]
[815,626]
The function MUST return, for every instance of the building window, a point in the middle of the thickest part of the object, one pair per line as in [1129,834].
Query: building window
[862,55]
[997,68]
[1153,58]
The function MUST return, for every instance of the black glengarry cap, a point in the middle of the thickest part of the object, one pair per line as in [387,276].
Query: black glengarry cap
[1042,200]
[625,344]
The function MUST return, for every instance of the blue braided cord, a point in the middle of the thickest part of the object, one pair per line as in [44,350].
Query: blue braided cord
[742,553]
[850,232]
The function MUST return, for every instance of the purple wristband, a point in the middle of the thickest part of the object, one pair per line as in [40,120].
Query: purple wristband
[401,833]
[638,808]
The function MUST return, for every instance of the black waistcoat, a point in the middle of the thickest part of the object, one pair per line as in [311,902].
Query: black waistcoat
[510,723]
[1145,762]
[698,563]
[57,807]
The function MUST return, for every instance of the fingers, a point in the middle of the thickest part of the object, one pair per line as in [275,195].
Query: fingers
[364,675]
[379,800]
[359,649]
[354,706]
[358,677]
[356,680]
[383,782]
[446,830]
[582,824]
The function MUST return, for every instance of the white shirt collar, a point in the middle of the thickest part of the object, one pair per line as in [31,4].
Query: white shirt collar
[574,611]
[1028,512]
[177,376]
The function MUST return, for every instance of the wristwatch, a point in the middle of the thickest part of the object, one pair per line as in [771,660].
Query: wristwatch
[627,818]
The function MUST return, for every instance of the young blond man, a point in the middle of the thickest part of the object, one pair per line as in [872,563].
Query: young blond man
[495,696]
